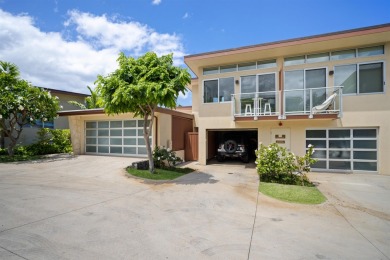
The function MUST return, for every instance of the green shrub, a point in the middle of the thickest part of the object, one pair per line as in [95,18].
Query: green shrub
[276,164]
[51,141]
[23,150]
[3,151]
[164,157]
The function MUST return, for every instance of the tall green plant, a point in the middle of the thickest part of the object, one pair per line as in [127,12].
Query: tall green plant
[22,104]
[93,101]
[141,85]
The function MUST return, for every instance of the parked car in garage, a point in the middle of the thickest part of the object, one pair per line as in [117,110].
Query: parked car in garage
[233,146]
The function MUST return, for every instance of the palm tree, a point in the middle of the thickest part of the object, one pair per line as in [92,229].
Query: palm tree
[93,101]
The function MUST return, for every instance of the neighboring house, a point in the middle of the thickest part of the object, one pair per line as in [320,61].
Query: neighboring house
[29,136]
[94,132]
[267,92]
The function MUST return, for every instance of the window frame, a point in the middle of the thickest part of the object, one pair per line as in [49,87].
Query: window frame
[219,102]
[304,82]
[257,81]
[358,77]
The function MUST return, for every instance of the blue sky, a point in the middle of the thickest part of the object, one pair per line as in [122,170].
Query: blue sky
[65,44]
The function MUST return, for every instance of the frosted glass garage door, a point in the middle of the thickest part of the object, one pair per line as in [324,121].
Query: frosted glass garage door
[344,149]
[119,137]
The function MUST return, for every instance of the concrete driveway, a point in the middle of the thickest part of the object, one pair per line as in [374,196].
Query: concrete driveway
[86,208]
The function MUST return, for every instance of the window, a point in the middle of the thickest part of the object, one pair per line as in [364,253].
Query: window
[294,60]
[218,90]
[297,84]
[318,57]
[228,68]
[371,78]
[243,66]
[247,66]
[371,51]
[360,78]
[248,84]
[261,86]
[266,64]
[346,54]
[344,149]
[208,71]
[41,124]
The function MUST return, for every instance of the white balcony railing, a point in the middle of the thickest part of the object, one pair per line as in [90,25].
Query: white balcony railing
[312,101]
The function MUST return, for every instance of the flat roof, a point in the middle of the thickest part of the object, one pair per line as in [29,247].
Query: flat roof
[97,111]
[65,92]
[386,25]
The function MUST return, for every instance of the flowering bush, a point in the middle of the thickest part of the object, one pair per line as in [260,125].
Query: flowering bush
[165,157]
[276,164]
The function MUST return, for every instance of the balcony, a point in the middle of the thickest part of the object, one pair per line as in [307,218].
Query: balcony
[288,104]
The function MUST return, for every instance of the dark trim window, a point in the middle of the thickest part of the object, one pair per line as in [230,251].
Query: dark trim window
[218,90]
[360,78]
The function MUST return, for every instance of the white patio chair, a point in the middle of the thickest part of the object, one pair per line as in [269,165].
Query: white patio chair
[325,105]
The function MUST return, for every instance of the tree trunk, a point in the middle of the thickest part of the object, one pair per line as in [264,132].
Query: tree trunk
[2,133]
[11,148]
[147,133]
[2,139]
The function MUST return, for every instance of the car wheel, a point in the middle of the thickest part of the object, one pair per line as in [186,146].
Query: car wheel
[230,146]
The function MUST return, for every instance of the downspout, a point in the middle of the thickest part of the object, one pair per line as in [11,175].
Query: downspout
[156,129]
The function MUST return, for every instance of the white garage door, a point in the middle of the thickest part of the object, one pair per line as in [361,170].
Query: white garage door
[344,149]
[119,137]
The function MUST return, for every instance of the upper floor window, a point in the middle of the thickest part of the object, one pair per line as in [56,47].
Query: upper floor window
[360,78]
[218,90]
[208,71]
[228,68]
[247,66]
[320,57]
[345,54]
[239,67]
[266,64]
[294,60]
[371,51]
[335,55]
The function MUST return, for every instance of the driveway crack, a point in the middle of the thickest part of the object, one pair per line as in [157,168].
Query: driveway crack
[360,232]
[13,253]
[253,226]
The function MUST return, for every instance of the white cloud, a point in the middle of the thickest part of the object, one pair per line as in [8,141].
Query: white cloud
[186,15]
[48,59]
[156,2]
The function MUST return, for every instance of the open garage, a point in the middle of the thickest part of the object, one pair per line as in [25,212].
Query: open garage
[227,145]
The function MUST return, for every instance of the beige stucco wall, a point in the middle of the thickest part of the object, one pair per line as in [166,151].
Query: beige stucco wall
[369,110]
[165,130]
[298,131]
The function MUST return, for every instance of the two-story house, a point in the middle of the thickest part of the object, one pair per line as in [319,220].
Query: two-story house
[327,90]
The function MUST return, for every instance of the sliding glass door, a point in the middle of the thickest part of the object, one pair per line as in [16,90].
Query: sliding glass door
[297,85]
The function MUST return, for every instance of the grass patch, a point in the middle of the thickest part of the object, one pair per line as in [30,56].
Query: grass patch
[292,193]
[160,174]
[19,158]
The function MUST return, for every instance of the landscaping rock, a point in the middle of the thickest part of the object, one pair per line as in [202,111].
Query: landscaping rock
[141,165]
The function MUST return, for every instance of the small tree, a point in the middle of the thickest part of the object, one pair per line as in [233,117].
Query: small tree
[140,86]
[22,104]
[93,101]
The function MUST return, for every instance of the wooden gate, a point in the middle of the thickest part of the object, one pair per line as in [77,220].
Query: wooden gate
[191,146]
